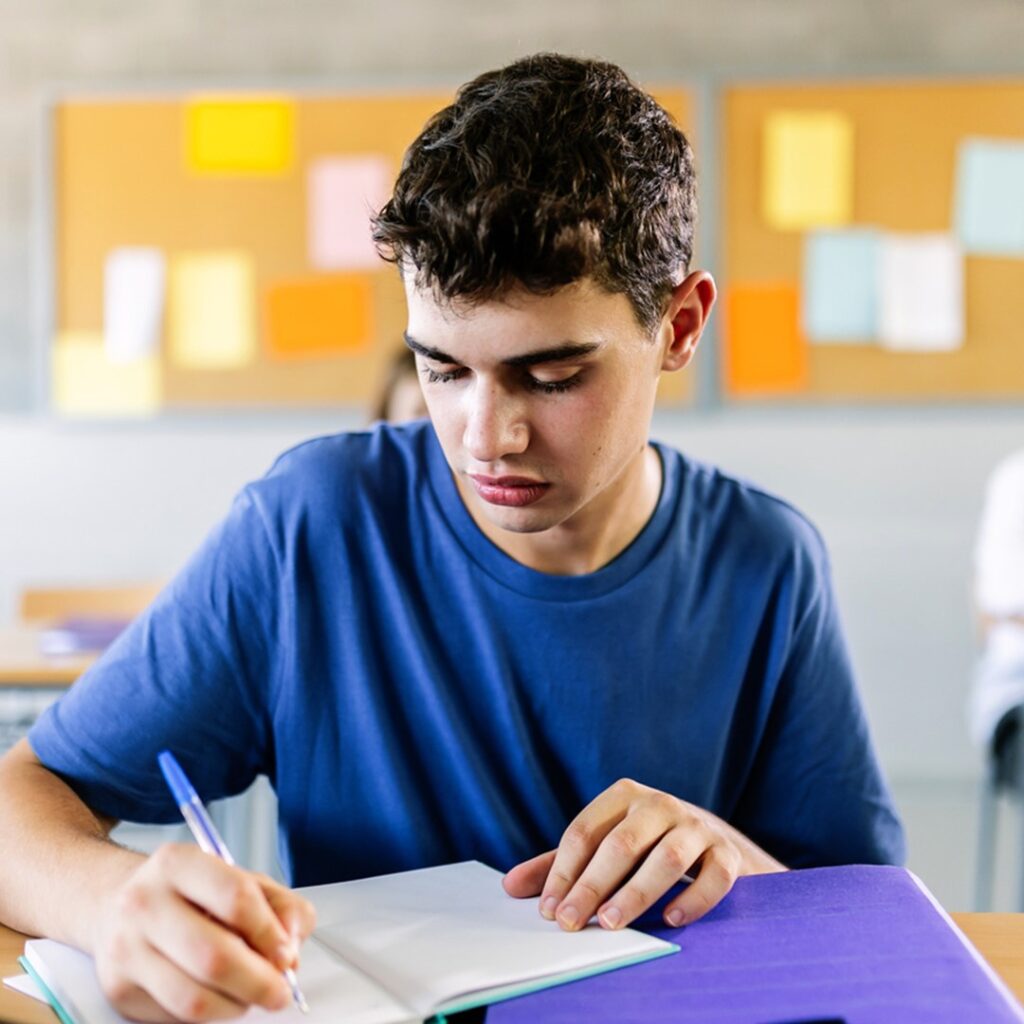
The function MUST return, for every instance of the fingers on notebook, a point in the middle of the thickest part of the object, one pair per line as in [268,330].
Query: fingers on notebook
[626,849]
[719,869]
[527,879]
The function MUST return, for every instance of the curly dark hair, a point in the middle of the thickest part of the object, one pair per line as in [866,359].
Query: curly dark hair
[542,173]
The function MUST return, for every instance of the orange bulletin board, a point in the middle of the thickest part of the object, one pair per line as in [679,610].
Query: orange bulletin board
[904,143]
[208,200]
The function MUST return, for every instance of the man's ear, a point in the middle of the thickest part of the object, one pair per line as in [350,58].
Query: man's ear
[688,310]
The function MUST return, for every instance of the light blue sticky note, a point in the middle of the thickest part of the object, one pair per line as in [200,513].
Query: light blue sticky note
[990,197]
[840,286]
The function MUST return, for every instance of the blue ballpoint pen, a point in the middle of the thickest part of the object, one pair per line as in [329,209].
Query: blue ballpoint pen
[206,835]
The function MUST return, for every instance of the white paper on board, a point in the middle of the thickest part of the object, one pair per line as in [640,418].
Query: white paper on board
[134,285]
[921,286]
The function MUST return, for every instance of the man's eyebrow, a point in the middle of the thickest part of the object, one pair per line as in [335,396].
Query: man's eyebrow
[568,350]
[424,350]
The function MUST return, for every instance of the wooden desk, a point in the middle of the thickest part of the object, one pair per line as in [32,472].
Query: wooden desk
[21,663]
[999,938]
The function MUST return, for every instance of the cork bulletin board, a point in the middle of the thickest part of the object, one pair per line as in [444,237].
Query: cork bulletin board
[872,241]
[211,251]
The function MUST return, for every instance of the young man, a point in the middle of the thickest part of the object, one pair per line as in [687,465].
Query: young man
[519,632]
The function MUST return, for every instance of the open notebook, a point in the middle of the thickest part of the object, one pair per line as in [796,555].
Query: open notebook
[397,948]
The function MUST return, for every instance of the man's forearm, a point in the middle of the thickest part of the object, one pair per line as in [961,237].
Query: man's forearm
[59,865]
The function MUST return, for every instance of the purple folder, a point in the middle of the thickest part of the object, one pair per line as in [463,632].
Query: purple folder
[865,945]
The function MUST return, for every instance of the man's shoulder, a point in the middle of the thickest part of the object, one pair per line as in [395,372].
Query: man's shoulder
[727,509]
[359,468]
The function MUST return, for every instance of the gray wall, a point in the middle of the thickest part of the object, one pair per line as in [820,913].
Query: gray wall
[896,492]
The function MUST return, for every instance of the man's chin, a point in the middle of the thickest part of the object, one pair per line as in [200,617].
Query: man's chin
[524,519]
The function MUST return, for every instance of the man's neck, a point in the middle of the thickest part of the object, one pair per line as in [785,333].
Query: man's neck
[594,536]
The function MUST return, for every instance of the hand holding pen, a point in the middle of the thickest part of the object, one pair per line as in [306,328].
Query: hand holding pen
[206,835]
[183,936]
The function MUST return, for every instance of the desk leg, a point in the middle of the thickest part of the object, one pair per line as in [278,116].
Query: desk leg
[988,807]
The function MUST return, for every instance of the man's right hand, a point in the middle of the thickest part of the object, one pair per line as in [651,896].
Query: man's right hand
[190,938]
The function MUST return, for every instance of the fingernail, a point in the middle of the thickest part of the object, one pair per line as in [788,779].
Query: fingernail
[286,955]
[569,915]
[674,918]
[611,917]
[548,906]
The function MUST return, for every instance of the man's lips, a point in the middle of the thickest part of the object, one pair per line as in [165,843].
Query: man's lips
[516,491]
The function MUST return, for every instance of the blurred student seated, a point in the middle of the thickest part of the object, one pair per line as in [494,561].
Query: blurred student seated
[998,686]
[400,399]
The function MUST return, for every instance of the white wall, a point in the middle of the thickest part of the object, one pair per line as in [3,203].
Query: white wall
[895,492]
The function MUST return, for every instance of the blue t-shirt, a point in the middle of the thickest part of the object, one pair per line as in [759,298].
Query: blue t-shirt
[417,697]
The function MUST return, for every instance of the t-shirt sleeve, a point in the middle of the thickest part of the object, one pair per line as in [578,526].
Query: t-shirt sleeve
[815,795]
[192,674]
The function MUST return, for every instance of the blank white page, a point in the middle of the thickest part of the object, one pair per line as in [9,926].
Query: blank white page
[335,992]
[432,935]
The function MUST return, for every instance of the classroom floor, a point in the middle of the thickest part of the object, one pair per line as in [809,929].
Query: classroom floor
[940,818]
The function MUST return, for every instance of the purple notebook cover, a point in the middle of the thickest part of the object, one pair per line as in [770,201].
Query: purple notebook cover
[864,944]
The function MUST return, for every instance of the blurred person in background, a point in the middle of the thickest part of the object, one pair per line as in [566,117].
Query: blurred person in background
[401,398]
[998,685]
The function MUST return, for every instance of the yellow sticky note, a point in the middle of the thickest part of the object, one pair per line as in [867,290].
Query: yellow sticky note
[239,136]
[807,169]
[87,383]
[212,310]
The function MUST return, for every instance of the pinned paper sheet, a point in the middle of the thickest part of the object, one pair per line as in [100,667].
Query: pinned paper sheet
[343,193]
[922,293]
[211,310]
[840,286]
[239,136]
[133,303]
[990,197]
[765,354]
[807,169]
[320,316]
[87,383]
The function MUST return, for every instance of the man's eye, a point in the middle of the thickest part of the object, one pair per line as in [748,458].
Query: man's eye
[442,376]
[553,387]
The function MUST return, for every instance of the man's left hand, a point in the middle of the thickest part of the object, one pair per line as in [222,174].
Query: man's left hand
[626,849]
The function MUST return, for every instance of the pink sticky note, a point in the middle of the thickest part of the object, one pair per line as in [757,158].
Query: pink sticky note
[343,194]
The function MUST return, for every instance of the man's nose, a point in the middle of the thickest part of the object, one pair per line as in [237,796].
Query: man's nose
[495,423]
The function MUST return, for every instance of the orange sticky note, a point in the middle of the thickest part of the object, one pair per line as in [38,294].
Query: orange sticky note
[319,316]
[765,353]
